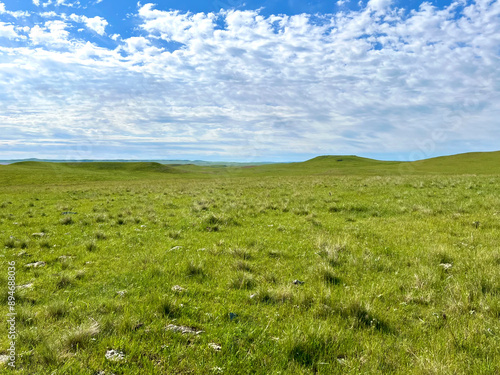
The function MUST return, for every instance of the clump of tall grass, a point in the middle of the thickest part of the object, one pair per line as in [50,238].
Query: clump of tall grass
[244,280]
[363,317]
[64,281]
[80,336]
[311,348]
[328,276]
[274,296]
[195,270]
[242,253]
[168,309]
[243,266]
[66,220]
[175,234]
[91,246]
[100,235]
[57,309]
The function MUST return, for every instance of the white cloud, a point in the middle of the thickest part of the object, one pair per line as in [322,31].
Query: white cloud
[379,79]
[379,5]
[135,44]
[16,14]
[176,26]
[57,3]
[97,24]
[8,31]
[50,14]
[53,33]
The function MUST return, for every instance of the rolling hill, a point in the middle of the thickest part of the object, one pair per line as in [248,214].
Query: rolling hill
[34,172]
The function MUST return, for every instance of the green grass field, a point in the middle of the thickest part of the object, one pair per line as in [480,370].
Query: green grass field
[397,267]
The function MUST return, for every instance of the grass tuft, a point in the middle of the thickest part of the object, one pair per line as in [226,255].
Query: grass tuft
[66,220]
[244,281]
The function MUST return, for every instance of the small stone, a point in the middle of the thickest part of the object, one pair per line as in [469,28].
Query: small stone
[4,359]
[298,282]
[25,286]
[35,265]
[182,329]
[178,288]
[114,355]
[215,346]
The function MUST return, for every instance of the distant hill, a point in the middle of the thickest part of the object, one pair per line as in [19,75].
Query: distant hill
[467,163]
[170,162]
[37,172]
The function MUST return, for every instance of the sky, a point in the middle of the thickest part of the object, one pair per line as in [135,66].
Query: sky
[248,80]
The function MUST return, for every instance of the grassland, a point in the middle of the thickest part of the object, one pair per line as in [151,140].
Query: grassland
[398,267]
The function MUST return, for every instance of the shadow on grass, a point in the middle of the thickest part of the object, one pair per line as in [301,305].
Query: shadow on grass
[364,318]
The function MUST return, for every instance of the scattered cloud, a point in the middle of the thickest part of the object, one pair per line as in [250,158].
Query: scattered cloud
[16,14]
[8,31]
[380,79]
[50,14]
[53,33]
[56,3]
[97,24]
[379,5]
[135,44]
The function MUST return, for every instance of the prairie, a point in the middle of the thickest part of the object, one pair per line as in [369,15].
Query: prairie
[336,265]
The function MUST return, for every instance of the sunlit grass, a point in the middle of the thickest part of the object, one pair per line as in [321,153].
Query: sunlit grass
[393,274]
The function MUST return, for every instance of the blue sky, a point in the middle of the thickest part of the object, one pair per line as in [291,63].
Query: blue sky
[248,81]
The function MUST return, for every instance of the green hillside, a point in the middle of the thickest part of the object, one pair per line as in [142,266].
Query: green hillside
[32,172]
[469,163]
[336,265]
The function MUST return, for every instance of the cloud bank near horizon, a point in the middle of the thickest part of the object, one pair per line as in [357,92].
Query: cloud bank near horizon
[240,85]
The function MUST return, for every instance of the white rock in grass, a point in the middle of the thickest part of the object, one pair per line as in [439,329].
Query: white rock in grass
[115,355]
[35,265]
[25,286]
[215,346]
[178,288]
[182,329]
[4,359]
